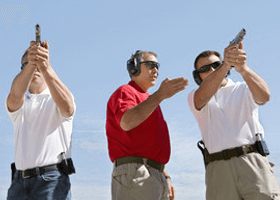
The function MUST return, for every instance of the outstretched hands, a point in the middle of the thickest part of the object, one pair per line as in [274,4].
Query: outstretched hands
[170,87]
[39,55]
[234,55]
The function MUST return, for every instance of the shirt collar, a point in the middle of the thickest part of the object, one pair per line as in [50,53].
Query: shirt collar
[45,92]
[133,84]
[229,83]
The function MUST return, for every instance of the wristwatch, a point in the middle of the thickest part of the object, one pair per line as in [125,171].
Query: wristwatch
[168,177]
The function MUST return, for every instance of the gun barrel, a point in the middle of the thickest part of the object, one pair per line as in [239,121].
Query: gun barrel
[239,37]
[38,34]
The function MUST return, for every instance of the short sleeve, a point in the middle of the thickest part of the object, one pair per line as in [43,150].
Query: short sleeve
[122,100]
[195,112]
[12,115]
[70,118]
[249,94]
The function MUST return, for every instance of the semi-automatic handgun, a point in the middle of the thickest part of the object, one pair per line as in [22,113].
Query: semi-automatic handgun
[238,38]
[38,35]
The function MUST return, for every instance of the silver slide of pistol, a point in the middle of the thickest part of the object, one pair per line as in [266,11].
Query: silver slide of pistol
[238,38]
[38,35]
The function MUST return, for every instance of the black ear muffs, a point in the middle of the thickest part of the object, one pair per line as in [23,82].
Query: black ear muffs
[133,64]
[133,67]
[196,77]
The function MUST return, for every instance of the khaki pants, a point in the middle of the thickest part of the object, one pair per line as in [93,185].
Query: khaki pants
[248,177]
[135,181]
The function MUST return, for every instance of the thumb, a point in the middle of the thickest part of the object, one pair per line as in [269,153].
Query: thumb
[240,45]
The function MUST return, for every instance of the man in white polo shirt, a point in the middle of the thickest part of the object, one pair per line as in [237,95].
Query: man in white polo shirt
[227,115]
[41,108]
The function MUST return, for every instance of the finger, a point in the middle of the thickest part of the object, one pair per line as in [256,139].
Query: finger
[42,50]
[241,45]
[46,45]
[33,63]
[182,83]
[177,81]
[35,50]
[32,43]
[231,47]
[235,53]
[173,192]
[240,56]
[40,58]
[178,89]
[166,80]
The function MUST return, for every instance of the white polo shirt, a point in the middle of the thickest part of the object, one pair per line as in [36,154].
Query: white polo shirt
[230,119]
[41,132]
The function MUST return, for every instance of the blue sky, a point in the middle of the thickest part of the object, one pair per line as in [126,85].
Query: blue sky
[90,42]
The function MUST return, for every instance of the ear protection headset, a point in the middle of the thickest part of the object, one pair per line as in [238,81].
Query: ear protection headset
[197,77]
[133,64]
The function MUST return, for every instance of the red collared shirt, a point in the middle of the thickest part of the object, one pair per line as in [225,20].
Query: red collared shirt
[150,139]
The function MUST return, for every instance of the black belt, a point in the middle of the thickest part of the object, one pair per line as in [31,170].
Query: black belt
[37,171]
[229,153]
[134,159]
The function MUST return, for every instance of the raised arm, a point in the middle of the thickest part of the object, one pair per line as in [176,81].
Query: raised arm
[20,84]
[212,79]
[136,115]
[257,85]
[60,93]
[210,86]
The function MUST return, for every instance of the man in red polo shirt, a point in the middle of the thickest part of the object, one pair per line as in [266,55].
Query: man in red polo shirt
[138,137]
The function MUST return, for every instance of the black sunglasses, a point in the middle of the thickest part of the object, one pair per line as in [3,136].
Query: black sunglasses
[206,68]
[151,64]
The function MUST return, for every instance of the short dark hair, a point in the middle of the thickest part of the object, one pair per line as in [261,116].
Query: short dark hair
[206,54]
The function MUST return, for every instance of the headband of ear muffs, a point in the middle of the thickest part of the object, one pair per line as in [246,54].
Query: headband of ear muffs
[133,64]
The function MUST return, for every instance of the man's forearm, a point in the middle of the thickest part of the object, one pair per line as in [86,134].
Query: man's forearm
[209,87]
[19,86]
[257,85]
[60,93]
[136,115]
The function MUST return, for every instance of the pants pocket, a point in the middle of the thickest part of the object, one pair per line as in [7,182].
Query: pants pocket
[124,174]
[52,176]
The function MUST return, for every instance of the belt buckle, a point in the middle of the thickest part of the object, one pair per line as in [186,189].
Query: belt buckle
[245,149]
[25,173]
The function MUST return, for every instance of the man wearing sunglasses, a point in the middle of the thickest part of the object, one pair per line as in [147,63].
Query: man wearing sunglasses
[138,137]
[227,115]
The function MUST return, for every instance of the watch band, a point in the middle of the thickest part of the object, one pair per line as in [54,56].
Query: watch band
[23,65]
[168,177]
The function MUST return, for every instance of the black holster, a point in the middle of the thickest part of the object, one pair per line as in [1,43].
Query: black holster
[67,166]
[262,148]
[204,151]
[13,169]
